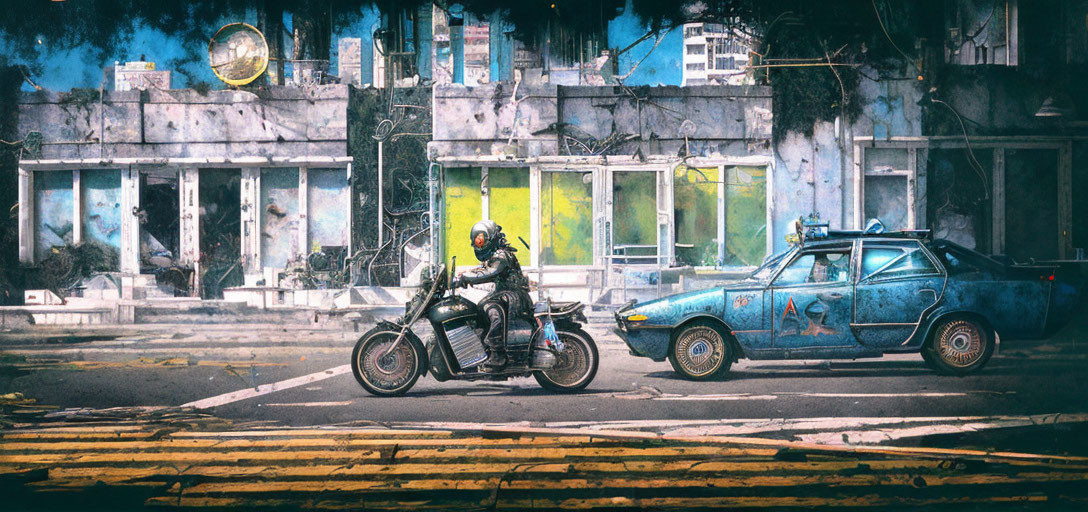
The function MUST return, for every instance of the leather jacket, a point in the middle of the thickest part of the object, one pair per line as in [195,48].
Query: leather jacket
[503,269]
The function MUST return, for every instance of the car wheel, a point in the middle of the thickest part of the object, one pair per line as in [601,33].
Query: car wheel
[959,346]
[700,351]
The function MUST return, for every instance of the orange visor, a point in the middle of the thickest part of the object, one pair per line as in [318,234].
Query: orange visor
[479,241]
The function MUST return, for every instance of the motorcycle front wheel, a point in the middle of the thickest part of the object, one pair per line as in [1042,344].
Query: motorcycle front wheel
[385,374]
[575,366]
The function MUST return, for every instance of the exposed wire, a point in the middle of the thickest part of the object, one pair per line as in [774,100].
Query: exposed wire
[889,36]
[976,166]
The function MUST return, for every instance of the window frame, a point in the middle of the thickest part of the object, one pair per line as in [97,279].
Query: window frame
[876,277]
[851,248]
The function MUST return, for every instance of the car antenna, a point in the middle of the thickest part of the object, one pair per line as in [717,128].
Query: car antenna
[523,242]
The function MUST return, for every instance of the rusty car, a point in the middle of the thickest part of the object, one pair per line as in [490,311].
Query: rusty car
[855,294]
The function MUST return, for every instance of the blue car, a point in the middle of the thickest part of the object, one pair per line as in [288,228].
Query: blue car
[851,295]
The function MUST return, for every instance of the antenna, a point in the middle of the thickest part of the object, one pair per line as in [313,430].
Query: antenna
[238,54]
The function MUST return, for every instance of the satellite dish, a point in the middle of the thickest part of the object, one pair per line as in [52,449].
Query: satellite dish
[238,53]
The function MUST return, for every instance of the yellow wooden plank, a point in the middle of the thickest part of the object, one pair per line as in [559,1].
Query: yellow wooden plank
[354,441]
[110,474]
[353,485]
[530,453]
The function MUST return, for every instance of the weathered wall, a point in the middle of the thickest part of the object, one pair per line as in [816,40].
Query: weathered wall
[280,121]
[553,120]
[815,173]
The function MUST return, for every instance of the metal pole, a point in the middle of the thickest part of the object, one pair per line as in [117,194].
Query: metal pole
[381,199]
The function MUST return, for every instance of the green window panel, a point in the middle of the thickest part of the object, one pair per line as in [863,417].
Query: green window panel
[634,213]
[695,194]
[463,207]
[566,218]
[745,215]
[508,202]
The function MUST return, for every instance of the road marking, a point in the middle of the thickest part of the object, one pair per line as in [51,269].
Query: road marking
[264,389]
[311,404]
[653,394]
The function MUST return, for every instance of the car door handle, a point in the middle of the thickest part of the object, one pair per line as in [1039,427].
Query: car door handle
[930,290]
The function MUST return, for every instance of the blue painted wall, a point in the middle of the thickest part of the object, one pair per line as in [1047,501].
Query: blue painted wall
[661,67]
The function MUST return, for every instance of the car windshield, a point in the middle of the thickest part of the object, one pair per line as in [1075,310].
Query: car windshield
[768,267]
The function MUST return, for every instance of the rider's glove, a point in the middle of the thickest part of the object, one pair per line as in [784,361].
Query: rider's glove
[457,283]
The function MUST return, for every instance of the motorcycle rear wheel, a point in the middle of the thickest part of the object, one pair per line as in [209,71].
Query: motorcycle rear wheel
[381,374]
[576,365]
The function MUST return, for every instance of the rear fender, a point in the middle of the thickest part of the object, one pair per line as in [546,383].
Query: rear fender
[925,332]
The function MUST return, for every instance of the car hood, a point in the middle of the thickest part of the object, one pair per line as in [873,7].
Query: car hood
[673,309]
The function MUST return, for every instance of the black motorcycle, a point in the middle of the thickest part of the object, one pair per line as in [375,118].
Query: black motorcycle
[554,349]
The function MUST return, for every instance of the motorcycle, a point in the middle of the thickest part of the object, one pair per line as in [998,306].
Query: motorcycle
[390,358]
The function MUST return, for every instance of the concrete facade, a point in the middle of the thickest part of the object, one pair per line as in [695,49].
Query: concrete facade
[137,140]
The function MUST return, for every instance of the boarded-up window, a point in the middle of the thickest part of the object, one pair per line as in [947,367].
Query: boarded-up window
[696,215]
[279,216]
[1031,204]
[886,199]
[745,215]
[957,197]
[508,202]
[100,197]
[886,181]
[327,197]
[52,211]
[462,207]
[634,214]
[566,218]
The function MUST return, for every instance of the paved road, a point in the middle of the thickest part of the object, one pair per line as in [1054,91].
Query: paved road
[297,377]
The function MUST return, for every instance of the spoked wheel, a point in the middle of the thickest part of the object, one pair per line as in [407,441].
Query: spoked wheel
[700,352]
[959,346]
[382,373]
[575,366]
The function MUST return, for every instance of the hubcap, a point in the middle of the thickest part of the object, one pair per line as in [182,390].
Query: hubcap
[700,350]
[387,371]
[961,344]
[572,365]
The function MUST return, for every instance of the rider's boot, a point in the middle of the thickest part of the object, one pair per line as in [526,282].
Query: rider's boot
[496,345]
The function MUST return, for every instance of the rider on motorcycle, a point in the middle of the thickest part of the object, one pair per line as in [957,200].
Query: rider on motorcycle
[510,298]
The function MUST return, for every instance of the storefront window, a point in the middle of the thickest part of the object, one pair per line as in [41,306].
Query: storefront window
[566,218]
[462,207]
[508,203]
[745,215]
[696,215]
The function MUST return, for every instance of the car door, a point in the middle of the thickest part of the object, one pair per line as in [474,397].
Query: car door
[897,282]
[812,299]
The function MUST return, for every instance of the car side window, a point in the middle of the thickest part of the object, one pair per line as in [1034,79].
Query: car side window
[826,266]
[886,262]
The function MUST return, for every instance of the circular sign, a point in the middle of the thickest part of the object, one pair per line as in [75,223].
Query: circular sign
[238,53]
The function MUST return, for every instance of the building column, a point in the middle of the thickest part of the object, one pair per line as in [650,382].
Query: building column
[534,217]
[997,203]
[251,236]
[130,220]
[303,212]
[26,216]
[189,222]
[77,208]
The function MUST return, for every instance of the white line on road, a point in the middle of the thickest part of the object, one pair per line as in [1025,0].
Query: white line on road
[653,394]
[312,404]
[265,389]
